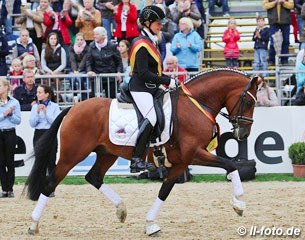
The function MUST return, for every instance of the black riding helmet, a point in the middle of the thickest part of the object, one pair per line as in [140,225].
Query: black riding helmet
[152,13]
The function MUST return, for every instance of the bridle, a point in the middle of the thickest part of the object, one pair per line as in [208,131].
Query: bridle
[240,104]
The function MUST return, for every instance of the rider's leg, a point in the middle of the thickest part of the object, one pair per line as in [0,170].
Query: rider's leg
[144,103]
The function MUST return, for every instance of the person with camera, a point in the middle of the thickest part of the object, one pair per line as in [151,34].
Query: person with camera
[146,66]
[26,92]
[43,114]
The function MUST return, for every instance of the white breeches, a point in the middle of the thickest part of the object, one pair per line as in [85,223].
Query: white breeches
[145,103]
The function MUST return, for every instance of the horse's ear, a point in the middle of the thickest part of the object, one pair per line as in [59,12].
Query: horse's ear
[254,79]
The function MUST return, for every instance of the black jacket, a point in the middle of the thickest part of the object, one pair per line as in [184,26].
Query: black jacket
[78,61]
[106,60]
[145,76]
[25,97]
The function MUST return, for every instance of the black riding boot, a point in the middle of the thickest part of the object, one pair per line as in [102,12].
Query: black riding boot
[137,163]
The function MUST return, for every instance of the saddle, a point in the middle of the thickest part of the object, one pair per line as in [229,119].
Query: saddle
[125,97]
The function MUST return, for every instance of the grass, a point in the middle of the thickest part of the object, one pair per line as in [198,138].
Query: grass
[80,180]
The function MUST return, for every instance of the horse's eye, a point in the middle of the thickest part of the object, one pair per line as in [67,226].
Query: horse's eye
[250,104]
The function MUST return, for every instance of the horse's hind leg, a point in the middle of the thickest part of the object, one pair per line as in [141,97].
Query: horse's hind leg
[95,177]
[208,159]
[152,228]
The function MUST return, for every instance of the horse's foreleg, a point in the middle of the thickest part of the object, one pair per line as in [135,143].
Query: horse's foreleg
[204,158]
[95,177]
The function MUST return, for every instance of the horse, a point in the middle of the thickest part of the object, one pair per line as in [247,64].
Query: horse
[85,129]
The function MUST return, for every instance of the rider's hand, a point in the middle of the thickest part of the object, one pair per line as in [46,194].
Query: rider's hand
[172,85]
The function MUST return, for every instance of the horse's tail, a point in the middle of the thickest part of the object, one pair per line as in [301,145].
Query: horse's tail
[42,152]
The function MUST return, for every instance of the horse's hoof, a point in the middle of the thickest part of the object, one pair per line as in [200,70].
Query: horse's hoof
[238,205]
[33,229]
[121,212]
[152,229]
[238,211]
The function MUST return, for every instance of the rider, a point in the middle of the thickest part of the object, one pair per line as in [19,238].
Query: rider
[146,67]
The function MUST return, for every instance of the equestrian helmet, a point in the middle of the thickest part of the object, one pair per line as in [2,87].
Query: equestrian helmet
[152,13]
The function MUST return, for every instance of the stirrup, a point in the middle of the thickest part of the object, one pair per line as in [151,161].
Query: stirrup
[138,165]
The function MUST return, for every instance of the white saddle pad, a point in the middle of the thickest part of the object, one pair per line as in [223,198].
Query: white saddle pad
[123,123]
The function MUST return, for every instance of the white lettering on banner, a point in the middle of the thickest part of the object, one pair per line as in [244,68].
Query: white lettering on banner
[273,130]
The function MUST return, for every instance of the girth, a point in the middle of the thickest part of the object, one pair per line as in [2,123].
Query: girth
[125,97]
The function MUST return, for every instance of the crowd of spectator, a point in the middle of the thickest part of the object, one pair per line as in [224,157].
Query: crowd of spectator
[94,36]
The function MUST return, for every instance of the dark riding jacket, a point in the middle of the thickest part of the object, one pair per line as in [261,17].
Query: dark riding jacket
[146,76]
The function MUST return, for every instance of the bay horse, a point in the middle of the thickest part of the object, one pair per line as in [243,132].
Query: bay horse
[85,129]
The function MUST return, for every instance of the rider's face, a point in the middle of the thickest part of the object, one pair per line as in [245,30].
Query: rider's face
[156,27]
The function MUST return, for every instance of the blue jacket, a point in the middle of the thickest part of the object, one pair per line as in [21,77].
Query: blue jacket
[262,42]
[188,57]
[13,120]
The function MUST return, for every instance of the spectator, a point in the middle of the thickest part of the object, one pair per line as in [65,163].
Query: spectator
[300,97]
[26,92]
[16,70]
[300,70]
[9,117]
[30,63]
[42,116]
[124,48]
[125,16]
[265,95]
[4,51]
[261,39]
[87,20]
[298,8]
[186,45]
[220,3]
[32,21]
[279,22]
[78,56]
[107,7]
[34,4]
[57,5]
[230,37]
[302,32]
[175,70]
[25,46]
[53,57]
[104,57]
[8,8]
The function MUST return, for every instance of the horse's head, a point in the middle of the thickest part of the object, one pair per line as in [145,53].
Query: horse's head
[241,112]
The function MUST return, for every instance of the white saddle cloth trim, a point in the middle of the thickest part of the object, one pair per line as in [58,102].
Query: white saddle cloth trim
[123,124]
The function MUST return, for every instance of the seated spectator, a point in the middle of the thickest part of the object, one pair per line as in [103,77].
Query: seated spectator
[300,97]
[29,62]
[230,37]
[265,95]
[125,16]
[174,69]
[78,55]
[187,45]
[88,19]
[26,92]
[16,70]
[104,57]
[25,46]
